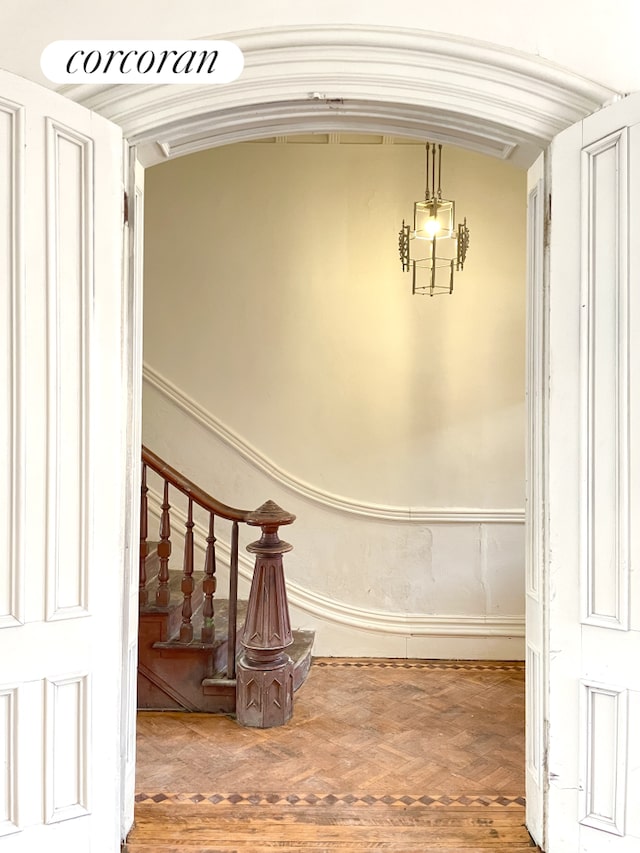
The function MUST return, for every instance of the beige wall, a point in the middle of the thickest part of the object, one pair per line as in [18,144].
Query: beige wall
[287,359]
[274,297]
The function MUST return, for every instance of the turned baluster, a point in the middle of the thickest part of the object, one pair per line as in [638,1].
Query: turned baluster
[233,603]
[209,585]
[143,595]
[164,551]
[186,629]
[265,670]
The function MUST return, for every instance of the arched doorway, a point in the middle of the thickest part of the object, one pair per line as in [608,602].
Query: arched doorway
[402,82]
[368,80]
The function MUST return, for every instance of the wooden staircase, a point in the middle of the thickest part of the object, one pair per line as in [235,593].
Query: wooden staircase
[189,641]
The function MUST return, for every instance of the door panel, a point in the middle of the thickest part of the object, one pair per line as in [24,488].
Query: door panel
[61,497]
[594,477]
[133,346]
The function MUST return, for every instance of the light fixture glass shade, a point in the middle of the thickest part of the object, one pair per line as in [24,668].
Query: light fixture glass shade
[433,262]
[434,277]
[435,247]
[433,219]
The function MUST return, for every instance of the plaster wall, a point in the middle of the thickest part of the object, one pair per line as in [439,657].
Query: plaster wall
[275,305]
[595,40]
[275,298]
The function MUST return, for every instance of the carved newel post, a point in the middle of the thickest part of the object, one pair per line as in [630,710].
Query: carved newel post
[264,696]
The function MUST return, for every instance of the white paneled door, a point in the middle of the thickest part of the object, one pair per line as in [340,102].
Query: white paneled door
[132,363]
[62,483]
[68,367]
[594,485]
[537,201]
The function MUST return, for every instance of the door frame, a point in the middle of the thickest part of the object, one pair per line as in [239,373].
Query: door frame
[464,93]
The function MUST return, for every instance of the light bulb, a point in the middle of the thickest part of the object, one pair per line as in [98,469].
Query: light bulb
[431,227]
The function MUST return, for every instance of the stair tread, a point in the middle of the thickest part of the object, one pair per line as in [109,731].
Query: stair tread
[302,644]
[169,669]
[299,652]
[218,680]
[175,591]
[221,623]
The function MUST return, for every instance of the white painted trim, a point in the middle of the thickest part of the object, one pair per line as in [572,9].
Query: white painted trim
[57,752]
[535,388]
[15,393]
[497,147]
[536,496]
[57,347]
[377,512]
[330,78]
[597,739]
[534,715]
[340,613]
[10,823]
[405,624]
[131,345]
[594,455]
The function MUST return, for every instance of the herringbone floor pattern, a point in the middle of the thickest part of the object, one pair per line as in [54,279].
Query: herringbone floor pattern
[395,755]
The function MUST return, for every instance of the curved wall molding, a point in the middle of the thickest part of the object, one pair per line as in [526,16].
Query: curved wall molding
[400,81]
[329,610]
[379,512]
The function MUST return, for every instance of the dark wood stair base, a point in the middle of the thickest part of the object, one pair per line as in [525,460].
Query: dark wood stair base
[260,673]
[176,676]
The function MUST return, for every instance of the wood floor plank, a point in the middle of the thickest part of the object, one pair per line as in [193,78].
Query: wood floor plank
[256,846]
[151,815]
[380,755]
[182,817]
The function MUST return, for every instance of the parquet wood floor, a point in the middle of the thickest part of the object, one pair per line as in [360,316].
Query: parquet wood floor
[380,754]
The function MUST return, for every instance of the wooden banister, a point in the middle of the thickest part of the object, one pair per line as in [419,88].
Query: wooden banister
[265,672]
[264,695]
[163,594]
[184,485]
[209,583]
[171,478]
[143,595]
[186,630]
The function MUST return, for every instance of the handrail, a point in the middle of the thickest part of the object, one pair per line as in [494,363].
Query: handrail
[216,509]
[267,631]
[184,485]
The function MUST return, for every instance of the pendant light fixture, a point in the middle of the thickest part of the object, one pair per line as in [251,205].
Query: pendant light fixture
[434,248]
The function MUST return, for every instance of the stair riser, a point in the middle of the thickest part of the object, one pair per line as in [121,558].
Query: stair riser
[183,670]
[172,675]
[301,671]
[158,626]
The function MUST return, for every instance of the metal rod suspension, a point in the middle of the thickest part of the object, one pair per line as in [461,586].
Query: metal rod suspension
[433,169]
[433,267]
[426,189]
